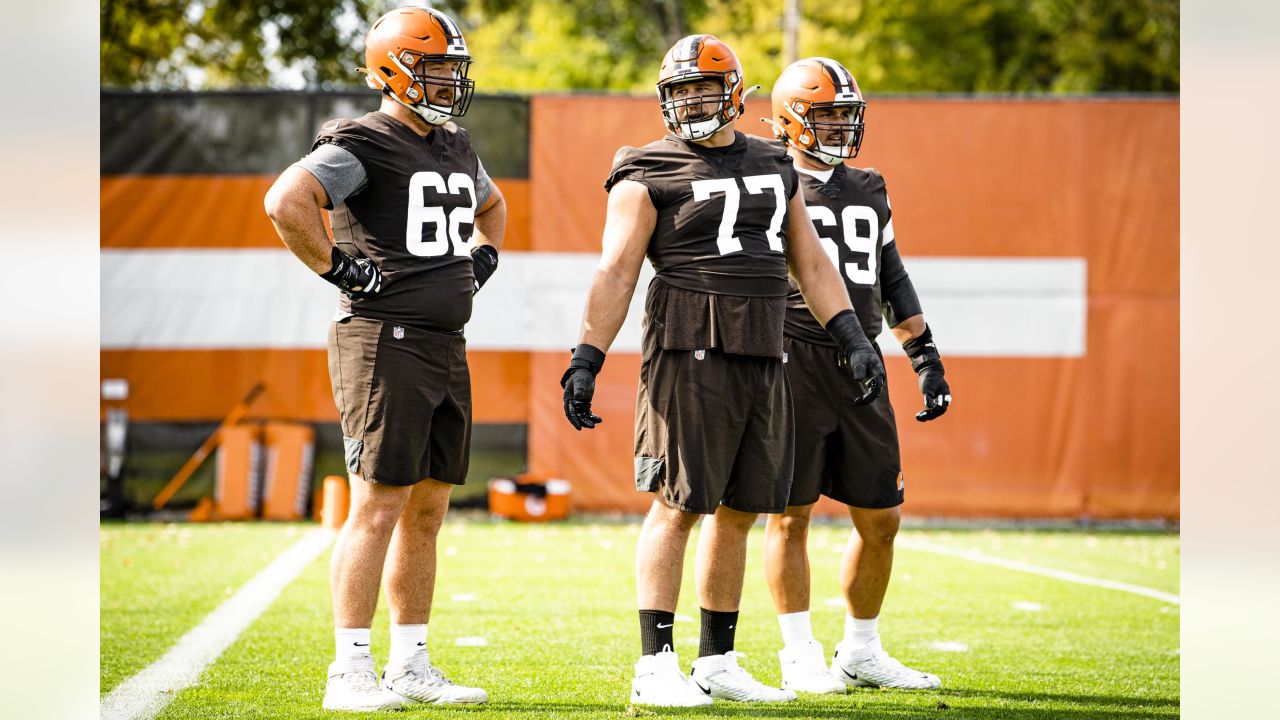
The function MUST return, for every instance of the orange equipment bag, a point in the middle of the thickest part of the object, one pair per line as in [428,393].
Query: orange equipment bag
[528,498]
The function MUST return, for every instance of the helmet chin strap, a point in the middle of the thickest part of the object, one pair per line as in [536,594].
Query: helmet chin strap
[824,157]
[421,108]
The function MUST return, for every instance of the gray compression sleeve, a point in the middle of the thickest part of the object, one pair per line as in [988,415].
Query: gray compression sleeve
[339,172]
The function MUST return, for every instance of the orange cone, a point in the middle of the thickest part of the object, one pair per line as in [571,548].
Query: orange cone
[336,503]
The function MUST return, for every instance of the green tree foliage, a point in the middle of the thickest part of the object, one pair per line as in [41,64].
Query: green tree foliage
[1003,46]
[229,43]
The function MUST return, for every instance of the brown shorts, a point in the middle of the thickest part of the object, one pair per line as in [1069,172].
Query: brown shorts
[404,395]
[846,452]
[714,428]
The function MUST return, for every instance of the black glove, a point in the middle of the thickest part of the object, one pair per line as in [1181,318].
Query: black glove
[579,383]
[927,363]
[857,352]
[355,277]
[484,260]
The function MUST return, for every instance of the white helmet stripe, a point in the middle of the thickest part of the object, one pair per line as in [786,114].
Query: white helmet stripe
[686,54]
[842,78]
[457,45]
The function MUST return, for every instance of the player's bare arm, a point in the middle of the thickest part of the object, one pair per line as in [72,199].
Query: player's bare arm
[491,221]
[909,329]
[294,205]
[490,228]
[629,223]
[819,281]
[824,292]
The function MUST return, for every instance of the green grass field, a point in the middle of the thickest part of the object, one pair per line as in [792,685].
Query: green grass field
[554,605]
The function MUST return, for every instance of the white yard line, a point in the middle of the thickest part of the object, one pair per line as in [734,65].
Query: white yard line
[979,557]
[144,695]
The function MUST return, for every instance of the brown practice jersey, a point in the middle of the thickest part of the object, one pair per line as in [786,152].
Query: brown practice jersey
[719,243]
[851,215]
[414,219]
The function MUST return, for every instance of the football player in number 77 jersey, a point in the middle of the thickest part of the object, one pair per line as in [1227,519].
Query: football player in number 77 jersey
[719,216]
[417,225]
[846,452]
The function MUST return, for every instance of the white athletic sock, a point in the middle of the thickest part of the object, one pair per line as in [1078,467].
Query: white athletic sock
[796,629]
[859,633]
[350,642]
[405,641]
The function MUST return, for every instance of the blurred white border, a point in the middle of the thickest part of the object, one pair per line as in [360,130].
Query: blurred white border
[49,383]
[1230,254]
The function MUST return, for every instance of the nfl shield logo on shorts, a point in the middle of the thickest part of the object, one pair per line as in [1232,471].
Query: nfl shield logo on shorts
[397,332]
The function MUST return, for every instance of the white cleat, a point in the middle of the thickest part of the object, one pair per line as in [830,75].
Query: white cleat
[722,678]
[353,685]
[804,669]
[658,681]
[871,666]
[419,682]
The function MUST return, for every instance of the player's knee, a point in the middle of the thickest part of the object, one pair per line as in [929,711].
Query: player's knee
[736,519]
[793,524]
[671,518]
[880,527]
[374,518]
[424,519]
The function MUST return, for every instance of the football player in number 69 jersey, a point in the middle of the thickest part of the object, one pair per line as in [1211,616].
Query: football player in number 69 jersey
[718,214]
[417,224]
[846,452]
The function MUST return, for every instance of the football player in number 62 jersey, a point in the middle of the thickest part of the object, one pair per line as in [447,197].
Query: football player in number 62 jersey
[846,452]
[719,215]
[417,225]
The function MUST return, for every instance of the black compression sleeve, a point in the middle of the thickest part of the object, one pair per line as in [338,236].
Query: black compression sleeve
[897,292]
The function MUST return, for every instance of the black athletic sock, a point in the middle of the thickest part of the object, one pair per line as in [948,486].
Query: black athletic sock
[655,631]
[717,632]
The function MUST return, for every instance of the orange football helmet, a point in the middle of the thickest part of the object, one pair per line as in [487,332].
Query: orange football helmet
[397,50]
[813,83]
[700,57]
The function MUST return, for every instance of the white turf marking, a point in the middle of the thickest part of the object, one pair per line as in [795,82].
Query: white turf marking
[683,618]
[144,695]
[471,642]
[1028,606]
[834,602]
[464,597]
[978,557]
[949,646]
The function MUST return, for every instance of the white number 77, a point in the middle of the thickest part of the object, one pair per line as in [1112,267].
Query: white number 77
[726,241]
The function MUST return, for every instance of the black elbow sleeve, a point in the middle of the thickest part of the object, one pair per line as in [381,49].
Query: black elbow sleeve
[897,292]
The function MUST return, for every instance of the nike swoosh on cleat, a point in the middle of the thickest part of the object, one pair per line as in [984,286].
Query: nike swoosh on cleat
[706,690]
[422,644]
[846,674]
[361,644]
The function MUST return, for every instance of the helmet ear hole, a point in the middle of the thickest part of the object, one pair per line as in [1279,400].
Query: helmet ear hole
[386,70]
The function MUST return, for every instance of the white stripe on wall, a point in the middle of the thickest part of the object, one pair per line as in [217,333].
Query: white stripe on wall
[239,299]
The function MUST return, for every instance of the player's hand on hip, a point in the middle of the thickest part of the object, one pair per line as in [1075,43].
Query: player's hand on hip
[927,363]
[579,383]
[484,260]
[357,277]
[858,354]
